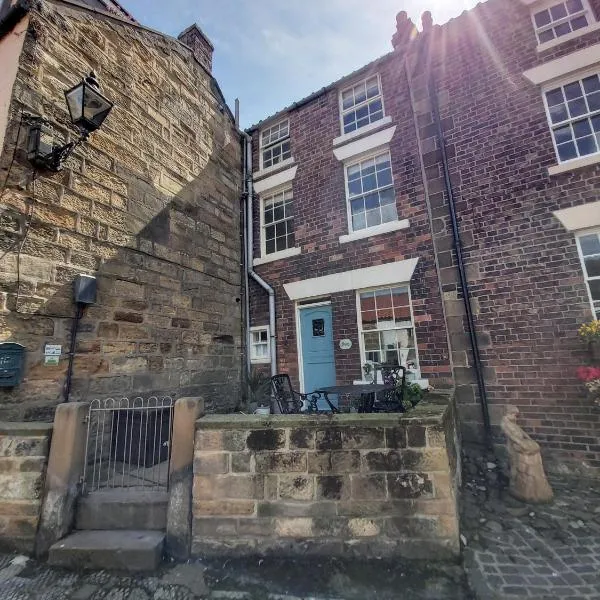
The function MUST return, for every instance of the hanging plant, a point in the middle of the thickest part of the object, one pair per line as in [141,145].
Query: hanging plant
[590,333]
[591,378]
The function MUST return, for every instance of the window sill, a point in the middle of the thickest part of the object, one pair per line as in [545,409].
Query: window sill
[570,36]
[377,230]
[572,165]
[288,162]
[346,137]
[260,361]
[277,256]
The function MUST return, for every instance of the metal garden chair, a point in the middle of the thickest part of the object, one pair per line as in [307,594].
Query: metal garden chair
[289,401]
[391,401]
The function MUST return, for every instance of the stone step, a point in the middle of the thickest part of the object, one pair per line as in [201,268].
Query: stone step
[130,551]
[122,509]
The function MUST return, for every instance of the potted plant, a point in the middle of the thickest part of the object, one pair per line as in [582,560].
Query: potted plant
[591,378]
[590,333]
[258,393]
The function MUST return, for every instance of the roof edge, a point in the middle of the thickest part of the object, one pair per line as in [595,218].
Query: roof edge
[14,15]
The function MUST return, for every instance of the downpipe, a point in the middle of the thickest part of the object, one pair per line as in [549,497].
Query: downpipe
[248,254]
[464,284]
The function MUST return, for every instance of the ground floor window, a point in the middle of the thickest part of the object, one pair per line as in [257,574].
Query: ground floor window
[260,351]
[386,327]
[589,250]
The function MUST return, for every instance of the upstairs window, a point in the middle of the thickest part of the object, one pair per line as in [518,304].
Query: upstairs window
[370,192]
[275,144]
[278,222]
[574,116]
[560,19]
[589,250]
[362,104]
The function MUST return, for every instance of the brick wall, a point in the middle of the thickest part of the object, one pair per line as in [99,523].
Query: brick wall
[320,218]
[150,206]
[361,485]
[24,451]
[528,292]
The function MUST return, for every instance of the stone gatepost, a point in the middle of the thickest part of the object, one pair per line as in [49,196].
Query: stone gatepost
[181,477]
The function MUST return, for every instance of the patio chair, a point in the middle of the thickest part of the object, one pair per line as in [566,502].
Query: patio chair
[289,401]
[391,401]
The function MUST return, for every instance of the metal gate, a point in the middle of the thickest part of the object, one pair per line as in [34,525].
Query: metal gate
[128,444]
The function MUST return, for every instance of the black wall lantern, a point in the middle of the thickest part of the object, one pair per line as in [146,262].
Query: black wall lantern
[88,109]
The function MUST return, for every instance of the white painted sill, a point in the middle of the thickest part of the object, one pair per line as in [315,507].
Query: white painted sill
[377,230]
[347,137]
[282,165]
[572,165]
[277,256]
[570,36]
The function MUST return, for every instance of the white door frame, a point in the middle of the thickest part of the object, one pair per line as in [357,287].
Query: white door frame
[300,307]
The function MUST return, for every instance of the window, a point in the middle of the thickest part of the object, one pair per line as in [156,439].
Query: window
[278,222]
[275,144]
[260,345]
[589,248]
[574,115]
[560,19]
[362,104]
[370,192]
[386,327]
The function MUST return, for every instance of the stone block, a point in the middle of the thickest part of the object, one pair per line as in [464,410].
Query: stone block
[266,439]
[359,438]
[364,527]
[217,487]
[409,485]
[333,487]
[411,527]
[19,508]
[209,439]
[388,460]
[261,527]
[295,528]
[281,462]
[241,462]
[211,463]
[328,439]
[325,463]
[21,486]
[395,437]
[416,436]
[296,487]
[224,508]
[214,527]
[22,465]
[368,487]
[271,487]
[301,439]
[296,509]
[428,459]
[23,446]
[436,436]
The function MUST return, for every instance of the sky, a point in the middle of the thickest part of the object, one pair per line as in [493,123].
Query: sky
[270,53]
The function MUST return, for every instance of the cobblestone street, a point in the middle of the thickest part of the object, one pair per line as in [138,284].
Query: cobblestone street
[514,550]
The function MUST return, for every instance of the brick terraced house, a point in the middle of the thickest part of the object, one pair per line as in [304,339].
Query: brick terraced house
[481,135]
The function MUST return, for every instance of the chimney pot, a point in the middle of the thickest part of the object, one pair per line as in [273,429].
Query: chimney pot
[405,30]
[427,21]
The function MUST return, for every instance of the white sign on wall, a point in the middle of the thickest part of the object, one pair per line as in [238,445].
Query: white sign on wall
[345,344]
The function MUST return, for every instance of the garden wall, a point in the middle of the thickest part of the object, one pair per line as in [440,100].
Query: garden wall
[348,484]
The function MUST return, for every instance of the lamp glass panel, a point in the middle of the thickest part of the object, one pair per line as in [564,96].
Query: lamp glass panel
[75,103]
[95,106]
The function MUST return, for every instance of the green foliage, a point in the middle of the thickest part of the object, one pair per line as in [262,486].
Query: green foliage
[258,388]
[413,393]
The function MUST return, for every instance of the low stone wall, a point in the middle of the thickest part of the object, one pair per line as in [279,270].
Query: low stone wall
[365,485]
[23,458]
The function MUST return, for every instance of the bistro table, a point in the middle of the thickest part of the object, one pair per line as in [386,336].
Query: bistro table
[366,392]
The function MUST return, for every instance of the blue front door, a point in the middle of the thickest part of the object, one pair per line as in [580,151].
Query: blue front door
[316,335]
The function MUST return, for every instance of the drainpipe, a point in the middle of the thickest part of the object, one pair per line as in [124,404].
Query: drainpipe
[249,253]
[464,284]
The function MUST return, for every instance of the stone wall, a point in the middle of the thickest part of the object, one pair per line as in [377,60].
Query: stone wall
[364,485]
[24,451]
[149,205]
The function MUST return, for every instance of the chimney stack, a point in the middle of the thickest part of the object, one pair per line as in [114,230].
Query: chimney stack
[427,21]
[202,47]
[405,31]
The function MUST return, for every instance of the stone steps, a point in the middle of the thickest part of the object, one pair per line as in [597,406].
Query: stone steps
[132,551]
[122,510]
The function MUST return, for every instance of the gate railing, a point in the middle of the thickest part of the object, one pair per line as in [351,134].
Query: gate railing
[128,443]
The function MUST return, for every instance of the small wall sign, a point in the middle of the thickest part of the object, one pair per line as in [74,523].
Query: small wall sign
[52,354]
[345,344]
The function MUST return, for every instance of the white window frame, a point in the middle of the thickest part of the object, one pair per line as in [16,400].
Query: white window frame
[260,360]
[587,279]
[353,162]
[355,107]
[271,144]
[263,237]
[538,7]
[361,343]
[560,83]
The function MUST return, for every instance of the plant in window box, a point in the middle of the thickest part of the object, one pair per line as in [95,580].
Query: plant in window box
[369,371]
[590,333]
[591,378]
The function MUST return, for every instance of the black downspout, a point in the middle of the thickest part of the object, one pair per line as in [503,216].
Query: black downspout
[461,264]
[74,328]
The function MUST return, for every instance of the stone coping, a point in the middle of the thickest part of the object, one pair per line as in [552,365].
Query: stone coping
[430,411]
[25,429]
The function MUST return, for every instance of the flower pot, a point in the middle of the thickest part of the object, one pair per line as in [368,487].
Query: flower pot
[263,410]
[594,348]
